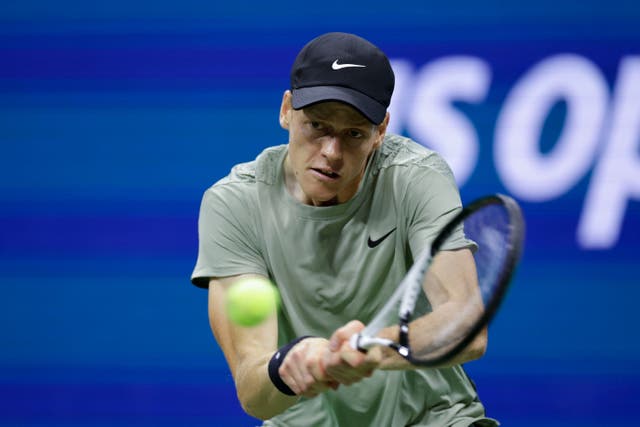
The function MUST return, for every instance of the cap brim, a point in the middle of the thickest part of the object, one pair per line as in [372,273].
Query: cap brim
[369,107]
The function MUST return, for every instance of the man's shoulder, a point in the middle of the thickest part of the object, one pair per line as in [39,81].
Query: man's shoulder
[401,151]
[240,186]
[263,168]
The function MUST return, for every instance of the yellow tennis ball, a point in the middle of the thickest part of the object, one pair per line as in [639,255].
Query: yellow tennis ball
[250,301]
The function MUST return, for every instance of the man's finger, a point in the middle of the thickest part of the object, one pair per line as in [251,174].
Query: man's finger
[344,333]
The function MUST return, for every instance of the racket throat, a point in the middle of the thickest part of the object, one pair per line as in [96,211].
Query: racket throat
[402,347]
[402,350]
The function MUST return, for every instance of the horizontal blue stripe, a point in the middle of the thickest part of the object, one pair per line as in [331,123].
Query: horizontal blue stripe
[98,236]
[579,400]
[143,63]
[565,400]
[164,404]
[166,234]
[156,315]
[150,63]
[125,266]
[417,20]
[195,10]
[185,94]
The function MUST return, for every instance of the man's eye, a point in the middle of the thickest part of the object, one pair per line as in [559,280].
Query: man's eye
[316,125]
[354,133]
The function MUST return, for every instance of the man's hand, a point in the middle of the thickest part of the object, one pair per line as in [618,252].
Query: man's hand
[345,364]
[315,365]
[303,370]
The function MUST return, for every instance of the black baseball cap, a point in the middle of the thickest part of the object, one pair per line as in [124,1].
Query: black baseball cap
[343,67]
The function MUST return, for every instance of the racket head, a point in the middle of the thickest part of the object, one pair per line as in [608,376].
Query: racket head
[496,227]
[492,227]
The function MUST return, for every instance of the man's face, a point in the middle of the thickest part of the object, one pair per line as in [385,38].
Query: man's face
[329,145]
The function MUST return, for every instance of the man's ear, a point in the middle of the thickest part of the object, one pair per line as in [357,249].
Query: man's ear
[285,110]
[381,131]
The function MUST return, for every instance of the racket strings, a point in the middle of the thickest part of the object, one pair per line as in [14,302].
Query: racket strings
[490,229]
[445,317]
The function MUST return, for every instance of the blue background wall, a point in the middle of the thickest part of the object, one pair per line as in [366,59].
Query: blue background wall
[115,117]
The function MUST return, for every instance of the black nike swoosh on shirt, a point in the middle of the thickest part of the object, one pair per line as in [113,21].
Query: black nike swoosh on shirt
[374,243]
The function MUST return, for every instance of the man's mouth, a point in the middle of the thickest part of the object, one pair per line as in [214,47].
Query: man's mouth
[327,172]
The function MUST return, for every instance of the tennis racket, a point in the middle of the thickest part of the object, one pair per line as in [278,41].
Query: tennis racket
[493,228]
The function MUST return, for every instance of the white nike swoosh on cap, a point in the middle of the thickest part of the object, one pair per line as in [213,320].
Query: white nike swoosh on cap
[337,66]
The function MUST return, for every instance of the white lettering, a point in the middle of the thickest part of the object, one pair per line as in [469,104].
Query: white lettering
[616,177]
[594,126]
[433,119]
[524,170]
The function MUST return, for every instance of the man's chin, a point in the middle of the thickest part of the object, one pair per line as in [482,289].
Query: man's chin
[322,198]
[328,202]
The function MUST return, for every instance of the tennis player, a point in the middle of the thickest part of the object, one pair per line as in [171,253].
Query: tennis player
[334,218]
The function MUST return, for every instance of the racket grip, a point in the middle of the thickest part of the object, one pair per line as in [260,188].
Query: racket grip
[354,341]
[363,342]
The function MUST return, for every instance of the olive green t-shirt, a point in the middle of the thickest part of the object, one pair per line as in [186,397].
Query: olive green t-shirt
[338,263]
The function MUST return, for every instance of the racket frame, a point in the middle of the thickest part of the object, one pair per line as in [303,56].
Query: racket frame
[414,278]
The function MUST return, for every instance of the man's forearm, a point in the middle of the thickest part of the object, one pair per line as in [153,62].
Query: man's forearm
[257,394]
[422,330]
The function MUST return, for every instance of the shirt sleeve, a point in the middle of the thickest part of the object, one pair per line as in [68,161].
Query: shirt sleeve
[432,199]
[227,237]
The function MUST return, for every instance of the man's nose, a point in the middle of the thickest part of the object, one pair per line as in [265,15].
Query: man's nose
[332,147]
